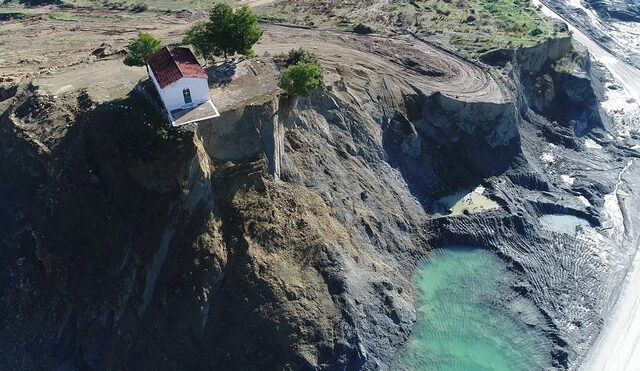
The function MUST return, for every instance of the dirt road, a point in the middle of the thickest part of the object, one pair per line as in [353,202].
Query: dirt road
[254,3]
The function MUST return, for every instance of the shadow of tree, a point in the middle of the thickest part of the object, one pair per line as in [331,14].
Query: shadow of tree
[222,74]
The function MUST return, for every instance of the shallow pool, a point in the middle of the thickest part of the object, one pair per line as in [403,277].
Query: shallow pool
[470,319]
[560,223]
[471,201]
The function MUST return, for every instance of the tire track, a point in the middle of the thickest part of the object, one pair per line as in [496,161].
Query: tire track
[403,59]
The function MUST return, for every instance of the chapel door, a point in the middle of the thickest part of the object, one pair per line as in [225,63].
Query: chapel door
[187,96]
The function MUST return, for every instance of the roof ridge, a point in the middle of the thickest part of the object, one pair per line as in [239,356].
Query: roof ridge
[173,59]
[182,64]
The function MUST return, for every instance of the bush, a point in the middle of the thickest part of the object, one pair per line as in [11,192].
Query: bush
[363,29]
[296,56]
[140,48]
[301,78]
[139,8]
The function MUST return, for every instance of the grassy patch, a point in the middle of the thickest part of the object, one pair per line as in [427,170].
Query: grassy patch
[9,16]
[144,5]
[476,26]
[569,64]
[473,26]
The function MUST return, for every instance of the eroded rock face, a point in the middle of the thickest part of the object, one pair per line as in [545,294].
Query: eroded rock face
[624,10]
[151,248]
[281,236]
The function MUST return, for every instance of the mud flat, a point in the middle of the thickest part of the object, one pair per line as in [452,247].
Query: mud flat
[467,202]
[567,224]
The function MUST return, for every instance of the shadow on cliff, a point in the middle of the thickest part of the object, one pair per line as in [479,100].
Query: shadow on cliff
[99,188]
[443,145]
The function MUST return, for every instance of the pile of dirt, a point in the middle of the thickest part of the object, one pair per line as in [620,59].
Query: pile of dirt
[107,50]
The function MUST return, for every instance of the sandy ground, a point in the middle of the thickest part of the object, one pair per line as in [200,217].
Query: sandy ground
[618,347]
[254,82]
[254,3]
[104,80]
[39,45]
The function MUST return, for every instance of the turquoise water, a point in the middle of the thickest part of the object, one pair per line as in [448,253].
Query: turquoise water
[459,326]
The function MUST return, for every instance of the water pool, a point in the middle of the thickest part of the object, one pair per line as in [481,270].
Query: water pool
[560,223]
[470,201]
[468,317]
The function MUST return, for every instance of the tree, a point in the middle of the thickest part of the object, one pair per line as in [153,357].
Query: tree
[198,36]
[226,33]
[140,48]
[221,29]
[246,31]
[301,78]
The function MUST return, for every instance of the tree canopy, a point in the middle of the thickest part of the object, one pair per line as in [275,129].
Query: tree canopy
[140,48]
[246,31]
[296,56]
[301,78]
[198,37]
[227,32]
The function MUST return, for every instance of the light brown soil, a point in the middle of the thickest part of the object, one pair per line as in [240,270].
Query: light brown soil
[400,60]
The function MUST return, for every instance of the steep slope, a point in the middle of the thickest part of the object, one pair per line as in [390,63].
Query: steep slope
[284,234]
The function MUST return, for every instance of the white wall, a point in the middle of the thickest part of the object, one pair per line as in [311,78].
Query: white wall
[172,96]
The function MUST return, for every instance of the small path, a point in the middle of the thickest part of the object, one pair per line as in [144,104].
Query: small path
[254,3]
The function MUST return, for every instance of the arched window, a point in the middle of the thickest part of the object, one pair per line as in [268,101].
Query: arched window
[186,93]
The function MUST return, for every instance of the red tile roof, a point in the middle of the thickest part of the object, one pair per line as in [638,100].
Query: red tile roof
[172,63]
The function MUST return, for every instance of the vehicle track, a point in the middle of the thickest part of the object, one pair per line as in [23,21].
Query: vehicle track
[403,59]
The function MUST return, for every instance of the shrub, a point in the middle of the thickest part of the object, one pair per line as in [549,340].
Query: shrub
[296,56]
[301,78]
[139,8]
[363,29]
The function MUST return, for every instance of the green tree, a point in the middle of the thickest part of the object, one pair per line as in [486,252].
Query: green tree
[301,78]
[198,36]
[221,29]
[226,33]
[140,48]
[246,32]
